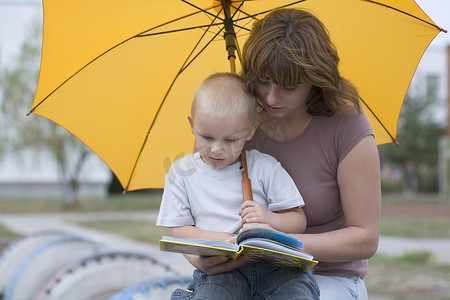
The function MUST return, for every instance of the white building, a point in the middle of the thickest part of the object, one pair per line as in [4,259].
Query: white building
[35,176]
[434,69]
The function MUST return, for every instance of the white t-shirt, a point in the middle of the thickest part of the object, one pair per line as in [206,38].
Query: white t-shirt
[196,194]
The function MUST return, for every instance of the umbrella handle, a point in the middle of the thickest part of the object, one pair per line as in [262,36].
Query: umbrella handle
[247,189]
[246,182]
[230,41]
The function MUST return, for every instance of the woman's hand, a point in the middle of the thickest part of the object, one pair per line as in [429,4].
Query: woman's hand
[212,265]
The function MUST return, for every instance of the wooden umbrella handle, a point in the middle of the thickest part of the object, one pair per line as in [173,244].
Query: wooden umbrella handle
[246,182]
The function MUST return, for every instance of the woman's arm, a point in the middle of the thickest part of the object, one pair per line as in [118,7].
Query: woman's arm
[359,183]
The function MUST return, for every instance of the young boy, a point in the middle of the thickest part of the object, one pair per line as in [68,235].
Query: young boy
[203,194]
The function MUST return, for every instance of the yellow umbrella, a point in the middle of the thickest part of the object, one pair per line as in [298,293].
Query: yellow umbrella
[120,74]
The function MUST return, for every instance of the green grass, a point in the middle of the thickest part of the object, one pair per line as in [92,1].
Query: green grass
[412,276]
[141,200]
[414,228]
[6,233]
[418,258]
[6,236]
[150,200]
[143,231]
[389,226]
[133,201]
[419,198]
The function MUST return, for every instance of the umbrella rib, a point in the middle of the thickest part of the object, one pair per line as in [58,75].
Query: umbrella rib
[103,53]
[239,10]
[169,22]
[210,14]
[74,74]
[187,62]
[394,140]
[204,10]
[408,14]
[203,49]
[253,16]
[175,30]
[216,16]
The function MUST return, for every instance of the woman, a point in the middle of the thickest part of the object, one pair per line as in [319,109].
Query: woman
[311,121]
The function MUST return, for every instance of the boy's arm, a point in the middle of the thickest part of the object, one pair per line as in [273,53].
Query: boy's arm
[195,233]
[291,220]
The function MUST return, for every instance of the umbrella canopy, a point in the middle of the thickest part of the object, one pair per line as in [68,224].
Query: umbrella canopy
[121,74]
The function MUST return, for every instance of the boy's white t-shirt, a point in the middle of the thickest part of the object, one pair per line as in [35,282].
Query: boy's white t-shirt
[208,198]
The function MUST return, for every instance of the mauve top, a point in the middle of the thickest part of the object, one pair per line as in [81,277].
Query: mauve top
[312,160]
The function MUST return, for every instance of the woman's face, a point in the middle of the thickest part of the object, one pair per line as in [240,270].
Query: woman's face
[282,101]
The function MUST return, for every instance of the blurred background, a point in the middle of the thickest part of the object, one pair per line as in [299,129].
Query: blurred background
[39,159]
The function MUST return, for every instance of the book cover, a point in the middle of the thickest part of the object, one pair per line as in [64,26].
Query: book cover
[257,243]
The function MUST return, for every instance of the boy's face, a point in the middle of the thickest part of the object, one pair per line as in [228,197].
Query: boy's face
[220,140]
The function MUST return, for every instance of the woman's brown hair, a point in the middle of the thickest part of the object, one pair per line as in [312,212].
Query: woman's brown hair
[291,46]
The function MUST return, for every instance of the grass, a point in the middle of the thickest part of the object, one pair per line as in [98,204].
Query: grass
[150,200]
[410,226]
[133,201]
[6,236]
[419,198]
[414,228]
[143,231]
[412,276]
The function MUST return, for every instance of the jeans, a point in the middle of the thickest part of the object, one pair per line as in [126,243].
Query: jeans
[253,280]
[342,288]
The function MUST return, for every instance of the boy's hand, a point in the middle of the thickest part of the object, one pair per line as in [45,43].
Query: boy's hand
[253,212]
[232,240]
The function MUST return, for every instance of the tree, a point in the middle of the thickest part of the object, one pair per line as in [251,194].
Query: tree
[20,133]
[418,134]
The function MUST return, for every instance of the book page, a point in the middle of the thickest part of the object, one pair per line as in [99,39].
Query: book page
[269,234]
[198,247]
[274,245]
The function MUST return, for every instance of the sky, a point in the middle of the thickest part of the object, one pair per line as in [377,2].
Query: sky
[439,12]
[16,16]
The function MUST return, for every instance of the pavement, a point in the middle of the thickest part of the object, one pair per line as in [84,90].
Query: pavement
[29,223]
[397,246]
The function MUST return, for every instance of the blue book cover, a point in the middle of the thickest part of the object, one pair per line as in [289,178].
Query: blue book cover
[270,234]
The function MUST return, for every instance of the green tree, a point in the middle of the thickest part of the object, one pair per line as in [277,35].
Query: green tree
[418,135]
[19,133]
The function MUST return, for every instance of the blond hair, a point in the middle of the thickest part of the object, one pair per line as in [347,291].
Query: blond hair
[292,46]
[224,95]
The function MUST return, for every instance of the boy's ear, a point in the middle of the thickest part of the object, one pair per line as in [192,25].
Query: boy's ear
[191,123]
[252,132]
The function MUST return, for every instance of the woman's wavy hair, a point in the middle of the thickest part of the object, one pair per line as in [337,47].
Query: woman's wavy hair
[291,46]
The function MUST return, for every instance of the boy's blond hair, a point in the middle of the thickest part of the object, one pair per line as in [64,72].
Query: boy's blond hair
[224,95]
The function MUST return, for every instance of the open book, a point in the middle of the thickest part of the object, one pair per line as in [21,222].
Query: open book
[258,243]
